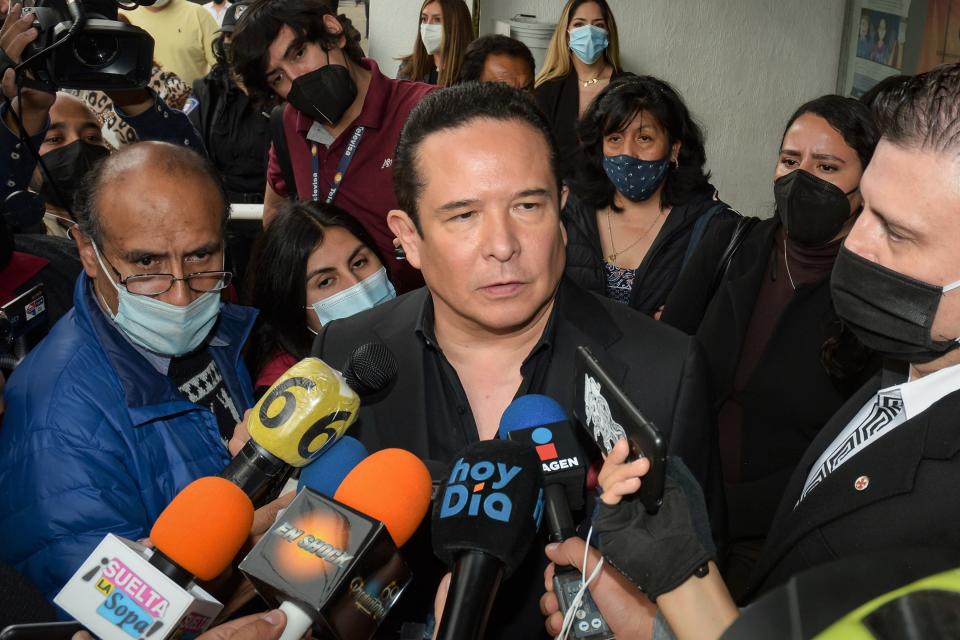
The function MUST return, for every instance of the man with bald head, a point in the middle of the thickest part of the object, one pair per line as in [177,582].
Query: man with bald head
[135,392]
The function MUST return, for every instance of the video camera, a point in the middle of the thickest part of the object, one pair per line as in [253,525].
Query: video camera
[82,45]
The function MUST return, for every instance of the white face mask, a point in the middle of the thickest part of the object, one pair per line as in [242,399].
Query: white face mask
[432,37]
[160,4]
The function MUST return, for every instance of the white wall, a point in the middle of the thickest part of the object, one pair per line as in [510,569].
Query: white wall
[743,66]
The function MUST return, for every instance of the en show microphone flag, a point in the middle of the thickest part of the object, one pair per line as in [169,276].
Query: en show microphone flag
[335,561]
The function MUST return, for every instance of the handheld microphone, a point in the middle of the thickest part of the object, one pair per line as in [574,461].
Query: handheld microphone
[325,474]
[370,369]
[541,422]
[306,410]
[123,590]
[335,561]
[482,528]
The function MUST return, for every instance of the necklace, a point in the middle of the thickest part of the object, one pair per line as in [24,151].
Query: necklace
[612,258]
[786,263]
[594,80]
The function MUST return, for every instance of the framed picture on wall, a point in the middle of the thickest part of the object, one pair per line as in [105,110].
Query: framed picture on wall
[890,37]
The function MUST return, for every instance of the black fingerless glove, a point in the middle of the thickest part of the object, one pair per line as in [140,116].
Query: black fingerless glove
[658,552]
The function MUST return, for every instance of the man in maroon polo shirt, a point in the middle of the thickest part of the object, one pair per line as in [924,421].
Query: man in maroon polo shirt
[342,120]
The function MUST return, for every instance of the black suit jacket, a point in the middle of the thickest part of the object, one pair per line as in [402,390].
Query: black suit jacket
[910,499]
[559,99]
[657,366]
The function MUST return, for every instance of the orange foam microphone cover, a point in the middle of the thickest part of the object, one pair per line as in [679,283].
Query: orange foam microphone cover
[204,527]
[392,486]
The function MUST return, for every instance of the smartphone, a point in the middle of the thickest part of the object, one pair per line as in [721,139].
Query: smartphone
[609,415]
[41,631]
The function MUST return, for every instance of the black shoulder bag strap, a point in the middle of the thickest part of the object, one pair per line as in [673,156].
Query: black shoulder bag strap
[279,138]
[740,233]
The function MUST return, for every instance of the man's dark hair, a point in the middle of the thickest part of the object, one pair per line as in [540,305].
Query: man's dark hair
[168,158]
[475,57]
[613,110]
[452,108]
[279,284]
[260,24]
[850,117]
[924,111]
[875,96]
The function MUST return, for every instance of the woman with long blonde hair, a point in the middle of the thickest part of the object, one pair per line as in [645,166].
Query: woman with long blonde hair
[446,29]
[583,57]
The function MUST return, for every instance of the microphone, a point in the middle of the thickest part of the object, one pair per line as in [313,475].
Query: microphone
[125,590]
[370,369]
[325,474]
[303,413]
[482,528]
[335,561]
[541,422]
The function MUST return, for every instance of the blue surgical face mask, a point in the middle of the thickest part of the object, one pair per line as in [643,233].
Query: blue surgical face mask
[588,42]
[636,179]
[366,294]
[166,329]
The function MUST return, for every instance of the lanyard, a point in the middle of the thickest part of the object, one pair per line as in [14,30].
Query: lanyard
[345,160]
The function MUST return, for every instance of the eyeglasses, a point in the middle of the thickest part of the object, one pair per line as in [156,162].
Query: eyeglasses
[155,284]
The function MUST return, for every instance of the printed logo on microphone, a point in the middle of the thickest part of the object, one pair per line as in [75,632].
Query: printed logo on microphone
[478,488]
[312,544]
[129,601]
[543,443]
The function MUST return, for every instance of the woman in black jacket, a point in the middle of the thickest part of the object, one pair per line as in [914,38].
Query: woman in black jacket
[640,200]
[780,361]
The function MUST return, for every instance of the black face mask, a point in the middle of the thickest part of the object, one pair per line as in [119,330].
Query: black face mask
[67,166]
[888,312]
[812,210]
[324,94]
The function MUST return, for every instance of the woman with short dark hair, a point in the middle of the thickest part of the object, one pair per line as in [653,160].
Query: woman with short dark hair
[315,263]
[640,199]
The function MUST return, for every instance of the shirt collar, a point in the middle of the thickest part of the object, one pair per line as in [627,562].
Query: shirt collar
[374,103]
[425,327]
[918,395]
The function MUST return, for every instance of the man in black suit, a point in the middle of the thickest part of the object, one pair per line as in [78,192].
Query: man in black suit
[883,472]
[476,178]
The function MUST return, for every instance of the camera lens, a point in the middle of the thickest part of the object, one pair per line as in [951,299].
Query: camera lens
[96,51]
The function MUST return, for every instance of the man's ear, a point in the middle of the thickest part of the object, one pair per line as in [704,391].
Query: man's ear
[403,228]
[333,26]
[87,255]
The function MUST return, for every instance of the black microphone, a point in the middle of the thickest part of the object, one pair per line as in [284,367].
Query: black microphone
[370,369]
[489,513]
[542,423]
